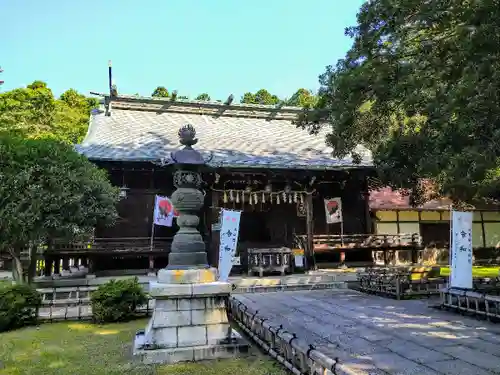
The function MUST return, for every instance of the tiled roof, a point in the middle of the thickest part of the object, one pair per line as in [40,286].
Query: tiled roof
[387,199]
[229,135]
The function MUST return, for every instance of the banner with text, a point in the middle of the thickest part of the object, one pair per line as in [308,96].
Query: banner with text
[461,250]
[164,211]
[230,227]
[333,210]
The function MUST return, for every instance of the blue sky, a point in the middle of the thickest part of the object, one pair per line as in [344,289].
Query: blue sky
[215,46]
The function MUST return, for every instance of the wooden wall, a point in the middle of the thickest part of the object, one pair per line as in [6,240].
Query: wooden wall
[281,221]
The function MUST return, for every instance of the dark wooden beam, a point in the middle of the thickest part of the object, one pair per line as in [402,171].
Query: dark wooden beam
[309,251]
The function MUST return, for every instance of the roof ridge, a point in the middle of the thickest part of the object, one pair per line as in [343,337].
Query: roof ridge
[152,103]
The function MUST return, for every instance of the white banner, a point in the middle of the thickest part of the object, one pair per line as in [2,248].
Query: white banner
[164,211]
[461,250]
[230,227]
[333,210]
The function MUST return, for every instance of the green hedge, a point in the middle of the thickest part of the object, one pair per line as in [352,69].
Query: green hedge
[117,300]
[19,305]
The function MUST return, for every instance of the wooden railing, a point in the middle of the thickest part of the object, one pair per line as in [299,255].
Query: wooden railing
[329,242]
[113,245]
[401,282]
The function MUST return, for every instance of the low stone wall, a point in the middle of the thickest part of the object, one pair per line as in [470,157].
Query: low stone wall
[70,299]
[80,289]
[288,349]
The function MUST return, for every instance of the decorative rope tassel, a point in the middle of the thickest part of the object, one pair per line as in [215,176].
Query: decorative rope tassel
[250,200]
[284,197]
[277,199]
[237,197]
[231,196]
[225,196]
[301,198]
[263,198]
[255,198]
[295,197]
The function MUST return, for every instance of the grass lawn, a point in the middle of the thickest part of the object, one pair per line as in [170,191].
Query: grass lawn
[476,271]
[76,348]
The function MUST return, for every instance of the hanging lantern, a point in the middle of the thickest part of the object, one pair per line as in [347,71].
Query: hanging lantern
[225,197]
[237,197]
[123,191]
[231,196]
[255,198]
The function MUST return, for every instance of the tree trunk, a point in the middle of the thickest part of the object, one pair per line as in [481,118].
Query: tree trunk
[30,275]
[17,267]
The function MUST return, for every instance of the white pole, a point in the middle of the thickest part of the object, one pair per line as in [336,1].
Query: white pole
[152,235]
[450,251]
[153,226]
[342,231]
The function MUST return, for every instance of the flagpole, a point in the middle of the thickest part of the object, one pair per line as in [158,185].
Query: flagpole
[152,235]
[153,225]
[450,251]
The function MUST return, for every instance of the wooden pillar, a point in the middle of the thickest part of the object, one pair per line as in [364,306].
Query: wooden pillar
[65,263]
[91,264]
[213,253]
[49,262]
[309,251]
[368,218]
[57,265]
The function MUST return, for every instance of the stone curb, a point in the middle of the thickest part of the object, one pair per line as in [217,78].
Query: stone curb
[291,351]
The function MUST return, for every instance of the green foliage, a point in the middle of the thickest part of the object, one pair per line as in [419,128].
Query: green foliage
[117,300]
[49,191]
[260,97]
[19,306]
[204,97]
[34,112]
[302,98]
[420,88]
[160,92]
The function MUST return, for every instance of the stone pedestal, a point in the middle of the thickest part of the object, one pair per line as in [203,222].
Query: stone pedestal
[189,321]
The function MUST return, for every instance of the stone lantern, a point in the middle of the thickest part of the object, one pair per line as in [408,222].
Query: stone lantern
[189,320]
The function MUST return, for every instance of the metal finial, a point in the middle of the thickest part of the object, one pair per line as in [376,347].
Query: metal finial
[187,135]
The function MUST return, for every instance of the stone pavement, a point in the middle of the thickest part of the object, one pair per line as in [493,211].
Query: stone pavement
[375,335]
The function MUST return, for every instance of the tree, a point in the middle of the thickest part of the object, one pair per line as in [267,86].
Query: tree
[34,112]
[71,118]
[28,110]
[302,98]
[420,88]
[160,92]
[204,97]
[260,97]
[48,191]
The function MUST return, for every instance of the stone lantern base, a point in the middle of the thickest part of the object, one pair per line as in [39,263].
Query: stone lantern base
[189,321]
